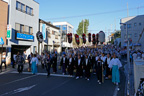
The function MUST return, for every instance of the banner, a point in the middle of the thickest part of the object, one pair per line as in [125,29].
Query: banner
[44,31]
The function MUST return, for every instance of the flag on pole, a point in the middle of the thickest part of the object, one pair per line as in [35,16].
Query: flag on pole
[1,41]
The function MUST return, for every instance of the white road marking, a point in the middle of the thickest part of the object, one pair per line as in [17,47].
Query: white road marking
[18,80]
[18,90]
[58,75]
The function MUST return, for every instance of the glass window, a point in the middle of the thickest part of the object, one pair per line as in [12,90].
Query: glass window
[129,26]
[124,26]
[64,27]
[140,24]
[22,7]
[135,24]
[21,28]
[27,29]
[17,27]
[27,9]
[31,11]
[30,30]
[18,5]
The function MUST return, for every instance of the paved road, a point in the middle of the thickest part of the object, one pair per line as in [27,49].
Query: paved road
[26,84]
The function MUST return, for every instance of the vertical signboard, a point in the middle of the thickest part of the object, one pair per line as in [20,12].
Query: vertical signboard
[44,31]
[8,31]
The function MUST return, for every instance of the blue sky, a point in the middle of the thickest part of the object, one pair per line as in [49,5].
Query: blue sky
[106,22]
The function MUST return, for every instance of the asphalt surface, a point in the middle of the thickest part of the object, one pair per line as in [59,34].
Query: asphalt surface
[26,84]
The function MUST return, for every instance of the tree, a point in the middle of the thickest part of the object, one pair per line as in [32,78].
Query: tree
[80,27]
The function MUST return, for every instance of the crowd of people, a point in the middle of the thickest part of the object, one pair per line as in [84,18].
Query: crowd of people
[81,62]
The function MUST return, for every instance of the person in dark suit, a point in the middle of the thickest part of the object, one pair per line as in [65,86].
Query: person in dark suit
[64,63]
[70,65]
[99,70]
[87,66]
[108,72]
[54,63]
[78,66]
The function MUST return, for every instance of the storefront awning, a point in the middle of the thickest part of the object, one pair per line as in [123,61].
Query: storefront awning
[5,46]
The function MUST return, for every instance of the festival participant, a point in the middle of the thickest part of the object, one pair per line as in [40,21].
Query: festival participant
[63,63]
[87,66]
[34,63]
[42,60]
[54,63]
[48,63]
[108,72]
[95,62]
[20,62]
[78,66]
[99,70]
[70,65]
[115,64]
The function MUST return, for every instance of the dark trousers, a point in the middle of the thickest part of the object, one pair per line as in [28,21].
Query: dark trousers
[54,67]
[108,72]
[87,73]
[70,70]
[48,66]
[42,65]
[99,73]
[64,68]
[20,68]
[29,64]
[2,64]
[79,71]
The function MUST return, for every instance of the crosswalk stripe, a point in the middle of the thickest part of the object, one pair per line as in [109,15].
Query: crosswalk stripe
[57,75]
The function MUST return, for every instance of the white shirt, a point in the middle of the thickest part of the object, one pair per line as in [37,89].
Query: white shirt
[63,59]
[115,61]
[79,60]
[34,59]
[108,61]
[86,61]
[96,58]
[70,60]
[134,56]
[103,58]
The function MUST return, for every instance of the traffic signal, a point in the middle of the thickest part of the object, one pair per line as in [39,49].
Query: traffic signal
[94,39]
[70,37]
[84,38]
[77,39]
[97,36]
[89,37]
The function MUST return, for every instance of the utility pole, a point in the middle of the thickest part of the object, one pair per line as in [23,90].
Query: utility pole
[83,25]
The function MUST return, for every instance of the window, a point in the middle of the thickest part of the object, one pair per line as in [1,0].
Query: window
[58,26]
[21,28]
[128,25]
[27,29]
[17,27]
[140,24]
[64,27]
[124,26]
[135,24]
[53,32]
[29,10]
[30,30]
[18,5]
[22,7]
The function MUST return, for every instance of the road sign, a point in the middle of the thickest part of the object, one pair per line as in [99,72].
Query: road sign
[8,31]
[1,41]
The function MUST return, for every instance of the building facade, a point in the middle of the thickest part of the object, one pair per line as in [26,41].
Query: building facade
[51,36]
[3,20]
[23,20]
[65,28]
[134,26]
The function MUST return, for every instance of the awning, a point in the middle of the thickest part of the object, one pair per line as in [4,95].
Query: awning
[5,46]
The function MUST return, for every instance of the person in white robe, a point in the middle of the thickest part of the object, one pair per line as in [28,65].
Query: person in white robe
[34,63]
[115,64]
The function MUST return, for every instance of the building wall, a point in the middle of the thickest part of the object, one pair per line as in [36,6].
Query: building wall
[50,37]
[135,26]
[60,24]
[3,20]
[17,16]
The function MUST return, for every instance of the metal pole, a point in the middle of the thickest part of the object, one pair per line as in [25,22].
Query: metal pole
[83,26]
[1,57]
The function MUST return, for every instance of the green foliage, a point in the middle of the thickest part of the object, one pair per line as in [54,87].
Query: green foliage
[117,34]
[80,27]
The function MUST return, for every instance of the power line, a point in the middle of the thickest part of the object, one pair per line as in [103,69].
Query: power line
[108,12]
